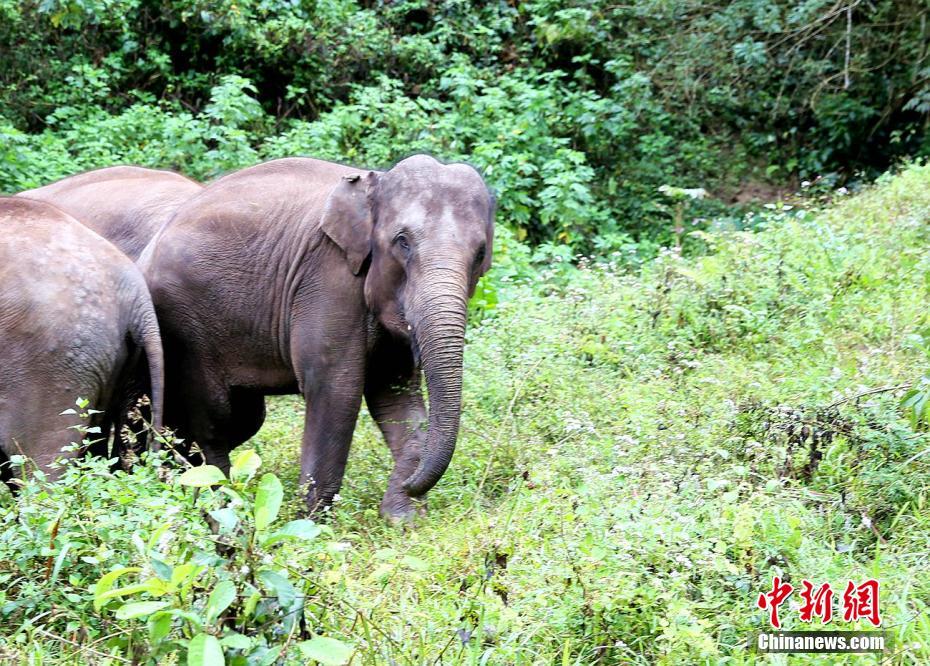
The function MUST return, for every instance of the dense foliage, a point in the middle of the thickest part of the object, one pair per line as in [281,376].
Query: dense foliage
[639,455]
[577,111]
[648,435]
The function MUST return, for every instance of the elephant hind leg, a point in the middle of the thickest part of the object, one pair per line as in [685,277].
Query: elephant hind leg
[132,385]
[100,443]
[203,409]
[6,470]
[248,415]
[207,424]
[197,407]
[228,420]
[220,420]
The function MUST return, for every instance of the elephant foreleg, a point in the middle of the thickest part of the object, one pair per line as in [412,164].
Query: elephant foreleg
[392,392]
[328,426]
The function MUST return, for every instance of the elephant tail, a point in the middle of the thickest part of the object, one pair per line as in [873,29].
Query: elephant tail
[145,333]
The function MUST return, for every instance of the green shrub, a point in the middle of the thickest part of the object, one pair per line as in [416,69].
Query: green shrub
[164,565]
[636,461]
[578,112]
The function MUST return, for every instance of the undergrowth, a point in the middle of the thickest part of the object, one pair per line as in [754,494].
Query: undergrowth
[639,455]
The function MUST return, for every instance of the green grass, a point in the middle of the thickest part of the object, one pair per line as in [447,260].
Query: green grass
[634,461]
[617,492]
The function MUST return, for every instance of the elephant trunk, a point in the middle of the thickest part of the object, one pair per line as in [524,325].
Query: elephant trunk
[438,318]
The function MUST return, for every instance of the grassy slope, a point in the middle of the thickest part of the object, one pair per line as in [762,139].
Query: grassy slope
[629,475]
[622,485]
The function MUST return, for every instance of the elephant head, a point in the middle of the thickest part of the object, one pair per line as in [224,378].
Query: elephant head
[427,229]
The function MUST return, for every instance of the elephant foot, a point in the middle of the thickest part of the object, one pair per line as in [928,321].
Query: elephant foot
[401,510]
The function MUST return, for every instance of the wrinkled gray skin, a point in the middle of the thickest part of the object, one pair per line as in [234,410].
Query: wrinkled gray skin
[75,320]
[305,276]
[127,205]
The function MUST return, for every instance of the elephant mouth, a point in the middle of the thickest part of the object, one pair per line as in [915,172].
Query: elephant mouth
[414,348]
[406,330]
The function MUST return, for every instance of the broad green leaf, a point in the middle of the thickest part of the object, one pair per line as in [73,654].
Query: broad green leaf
[244,465]
[414,563]
[139,609]
[157,535]
[161,569]
[138,543]
[279,585]
[205,650]
[232,494]
[220,598]
[916,402]
[201,477]
[382,571]
[184,573]
[106,582]
[248,608]
[265,656]
[59,561]
[236,641]
[153,586]
[159,627]
[295,529]
[327,651]
[268,499]
[188,616]
[226,517]
[207,559]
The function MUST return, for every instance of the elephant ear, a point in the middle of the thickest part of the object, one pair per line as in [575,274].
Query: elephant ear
[348,220]
[489,232]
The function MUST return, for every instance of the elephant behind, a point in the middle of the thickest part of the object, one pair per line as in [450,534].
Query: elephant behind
[76,320]
[127,205]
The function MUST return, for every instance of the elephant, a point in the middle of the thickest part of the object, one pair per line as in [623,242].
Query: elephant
[76,321]
[126,205]
[304,276]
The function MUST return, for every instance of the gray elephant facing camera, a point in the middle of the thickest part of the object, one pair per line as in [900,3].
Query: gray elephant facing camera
[304,276]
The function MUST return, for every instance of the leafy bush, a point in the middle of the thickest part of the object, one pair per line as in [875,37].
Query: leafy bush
[636,461]
[578,112]
[165,565]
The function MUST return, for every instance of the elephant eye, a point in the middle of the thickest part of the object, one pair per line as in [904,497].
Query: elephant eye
[402,241]
[479,257]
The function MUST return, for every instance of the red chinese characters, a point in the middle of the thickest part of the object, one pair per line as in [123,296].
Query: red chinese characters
[817,603]
[775,598]
[860,602]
